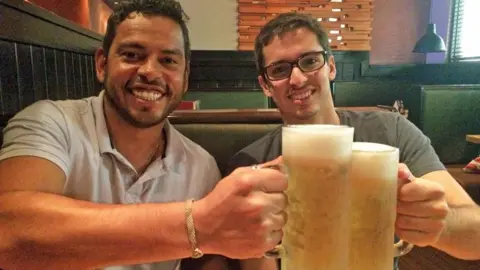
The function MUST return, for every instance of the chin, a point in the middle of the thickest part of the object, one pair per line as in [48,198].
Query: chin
[144,119]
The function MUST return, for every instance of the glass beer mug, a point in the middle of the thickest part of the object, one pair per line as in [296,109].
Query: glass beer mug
[318,159]
[374,180]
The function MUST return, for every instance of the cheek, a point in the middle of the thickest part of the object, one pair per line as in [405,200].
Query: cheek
[321,76]
[120,74]
[176,81]
[279,88]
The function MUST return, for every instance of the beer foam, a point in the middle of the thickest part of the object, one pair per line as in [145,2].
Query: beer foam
[372,147]
[316,141]
[374,161]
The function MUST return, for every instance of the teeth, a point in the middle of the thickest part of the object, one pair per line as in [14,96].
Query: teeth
[301,96]
[147,95]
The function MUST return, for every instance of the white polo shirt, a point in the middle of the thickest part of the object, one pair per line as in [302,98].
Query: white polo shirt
[73,134]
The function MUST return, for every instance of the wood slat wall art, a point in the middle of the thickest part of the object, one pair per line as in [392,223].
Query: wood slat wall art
[348,22]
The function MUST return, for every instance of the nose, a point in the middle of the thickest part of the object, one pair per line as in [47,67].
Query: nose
[297,78]
[150,70]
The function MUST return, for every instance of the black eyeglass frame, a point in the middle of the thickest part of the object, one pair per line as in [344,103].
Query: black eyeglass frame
[295,64]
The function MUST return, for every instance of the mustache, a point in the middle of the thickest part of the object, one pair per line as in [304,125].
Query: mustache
[153,86]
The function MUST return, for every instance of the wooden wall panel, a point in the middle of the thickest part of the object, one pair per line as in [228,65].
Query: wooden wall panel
[29,73]
[43,56]
[349,22]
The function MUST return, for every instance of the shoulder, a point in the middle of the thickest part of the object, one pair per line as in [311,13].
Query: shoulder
[359,118]
[54,111]
[264,149]
[373,126]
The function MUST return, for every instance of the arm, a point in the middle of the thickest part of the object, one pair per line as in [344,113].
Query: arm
[461,235]
[41,229]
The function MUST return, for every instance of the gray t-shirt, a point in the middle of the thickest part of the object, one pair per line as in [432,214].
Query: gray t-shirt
[73,134]
[373,126]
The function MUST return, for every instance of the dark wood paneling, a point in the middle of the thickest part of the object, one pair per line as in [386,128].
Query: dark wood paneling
[219,70]
[70,76]
[90,76]
[62,86]
[24,71]
[9,78]
[51,74]
[30,73]
[32,25]
[39,71]
[42,56]
[452,73]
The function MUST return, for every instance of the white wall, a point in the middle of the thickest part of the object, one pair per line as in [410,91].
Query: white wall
[213,24]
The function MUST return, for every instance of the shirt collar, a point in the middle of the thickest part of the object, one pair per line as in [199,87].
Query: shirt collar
[103,136]
[175,153]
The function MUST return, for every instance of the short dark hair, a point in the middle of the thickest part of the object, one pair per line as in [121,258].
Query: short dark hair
[285,23]
[168,8]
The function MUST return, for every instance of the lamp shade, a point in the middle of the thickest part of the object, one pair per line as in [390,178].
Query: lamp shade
[430,42]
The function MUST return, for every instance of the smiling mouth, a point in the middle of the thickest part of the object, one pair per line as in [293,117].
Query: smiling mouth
[301,96]
[147,95]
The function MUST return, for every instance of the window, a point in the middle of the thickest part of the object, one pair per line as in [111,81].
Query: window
[464,33]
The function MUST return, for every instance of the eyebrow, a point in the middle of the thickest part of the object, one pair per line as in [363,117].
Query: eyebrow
[173,51]
[134,45]
[286,61]
[130,45]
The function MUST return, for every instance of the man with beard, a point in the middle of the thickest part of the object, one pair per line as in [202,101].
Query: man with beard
[295,67]
[107,182]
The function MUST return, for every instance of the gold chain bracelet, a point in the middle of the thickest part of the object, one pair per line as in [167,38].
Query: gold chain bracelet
[196,252]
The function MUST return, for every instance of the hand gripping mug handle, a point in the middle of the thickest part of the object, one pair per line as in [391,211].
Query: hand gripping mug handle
[401,248]
[276,253]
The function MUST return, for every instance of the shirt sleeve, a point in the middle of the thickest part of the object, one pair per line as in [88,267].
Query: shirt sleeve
[39,130]
[416,150]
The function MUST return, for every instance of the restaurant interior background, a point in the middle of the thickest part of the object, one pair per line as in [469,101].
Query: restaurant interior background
[47,47]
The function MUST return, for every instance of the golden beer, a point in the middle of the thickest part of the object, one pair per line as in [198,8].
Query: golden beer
[374,175]
[318,159]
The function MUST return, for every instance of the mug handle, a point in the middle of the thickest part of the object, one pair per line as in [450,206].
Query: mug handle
[401,248]
[277,252]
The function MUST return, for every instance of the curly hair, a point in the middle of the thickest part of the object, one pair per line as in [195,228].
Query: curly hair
[168,8]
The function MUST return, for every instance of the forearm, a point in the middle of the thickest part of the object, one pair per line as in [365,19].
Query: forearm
[461,236]
[45,231]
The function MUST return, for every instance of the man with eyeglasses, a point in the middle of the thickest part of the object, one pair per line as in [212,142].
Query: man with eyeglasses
[295,67]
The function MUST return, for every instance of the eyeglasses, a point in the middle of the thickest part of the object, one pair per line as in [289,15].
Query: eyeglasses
[306,63]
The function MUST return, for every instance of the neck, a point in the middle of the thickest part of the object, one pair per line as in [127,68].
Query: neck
[326,117]
[137,145]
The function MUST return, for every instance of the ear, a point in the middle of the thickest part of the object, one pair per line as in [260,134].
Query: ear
[100,64]
[265,87]
[332,73]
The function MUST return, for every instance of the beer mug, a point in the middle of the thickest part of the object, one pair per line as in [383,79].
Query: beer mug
[374,180]
[318,159]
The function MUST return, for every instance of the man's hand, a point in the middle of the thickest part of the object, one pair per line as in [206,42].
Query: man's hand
[421,209]
[244,215]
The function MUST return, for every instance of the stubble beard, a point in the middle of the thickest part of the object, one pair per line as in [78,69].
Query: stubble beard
[123,112]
